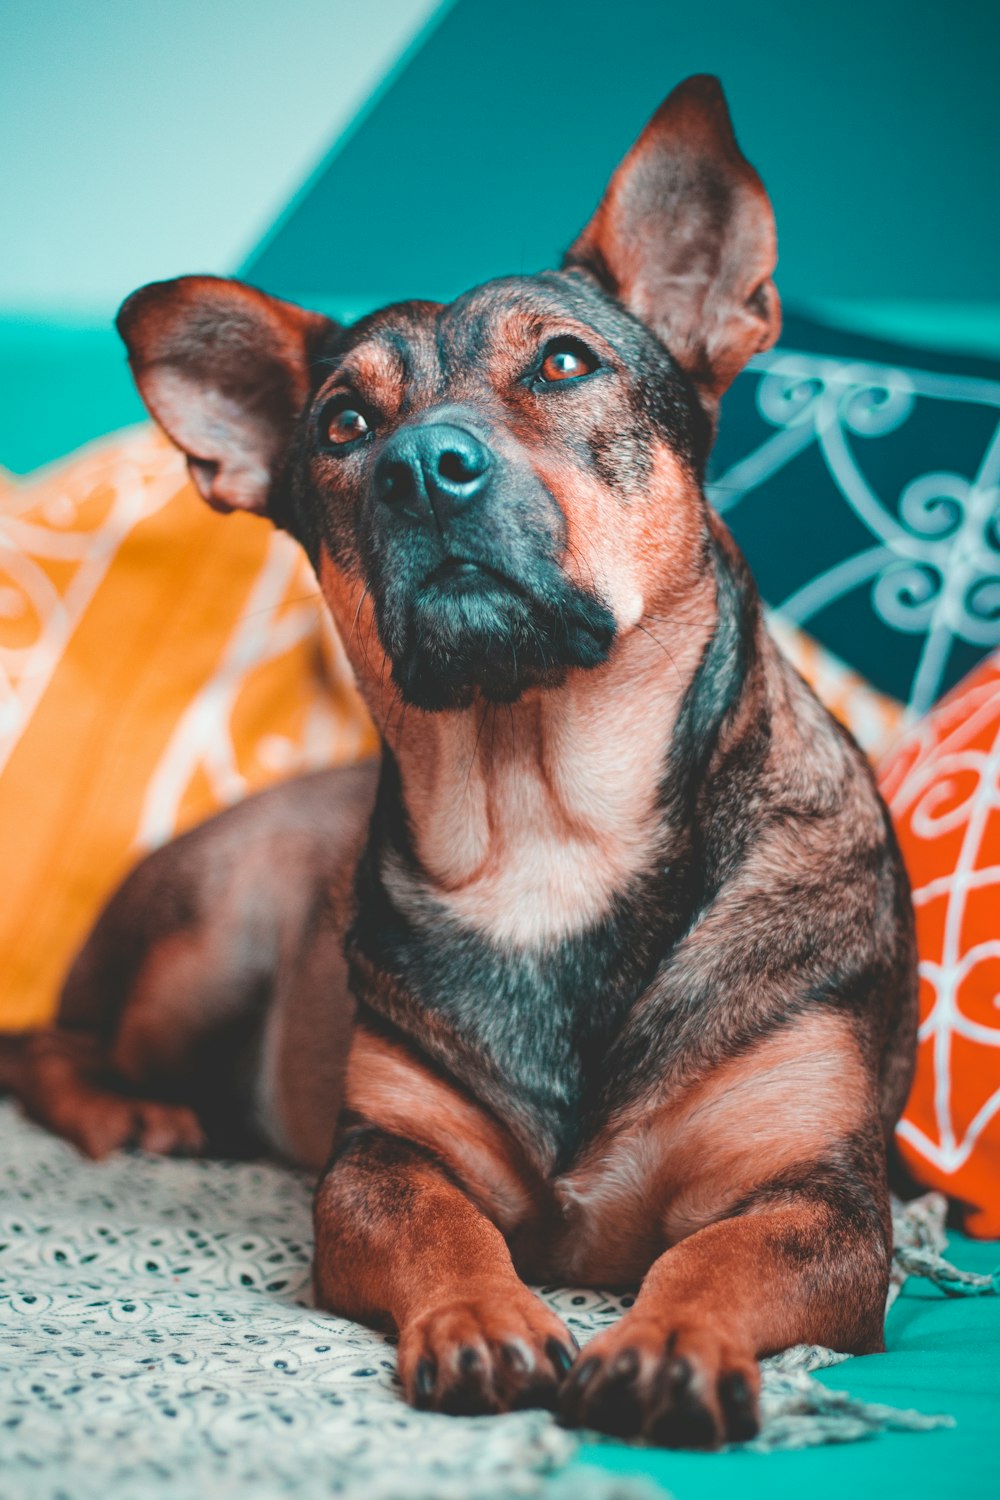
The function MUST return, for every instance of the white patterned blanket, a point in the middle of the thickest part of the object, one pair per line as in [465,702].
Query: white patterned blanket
[157,1343]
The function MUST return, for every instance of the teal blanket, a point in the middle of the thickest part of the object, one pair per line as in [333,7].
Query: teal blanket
[943,1355]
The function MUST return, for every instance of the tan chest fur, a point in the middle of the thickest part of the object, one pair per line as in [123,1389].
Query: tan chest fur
[527,823]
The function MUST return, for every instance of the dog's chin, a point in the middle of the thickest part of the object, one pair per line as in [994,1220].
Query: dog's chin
[472,633]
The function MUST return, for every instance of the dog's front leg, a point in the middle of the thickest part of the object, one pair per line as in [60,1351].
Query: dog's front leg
[399,1244]
[680,1367]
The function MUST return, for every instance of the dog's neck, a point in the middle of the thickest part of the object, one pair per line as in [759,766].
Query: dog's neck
[527,822]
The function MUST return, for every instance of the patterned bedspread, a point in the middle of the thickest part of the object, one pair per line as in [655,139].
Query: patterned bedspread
[157,1341]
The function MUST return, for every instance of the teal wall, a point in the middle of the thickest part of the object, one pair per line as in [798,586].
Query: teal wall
[138,140]
[875,126]
[141,138]
[455,141]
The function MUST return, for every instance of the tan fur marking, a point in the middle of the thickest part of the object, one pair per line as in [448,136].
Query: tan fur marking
[642,556]
[683,1165]
[353,612]
[531,823]
[389,1088]
[377,373]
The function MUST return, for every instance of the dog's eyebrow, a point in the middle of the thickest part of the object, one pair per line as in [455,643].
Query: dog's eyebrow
[520,311]
[384,361]
[520,331]
[400,347]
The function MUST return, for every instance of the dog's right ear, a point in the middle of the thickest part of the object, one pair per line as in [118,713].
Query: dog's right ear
[685,238]
[225,370]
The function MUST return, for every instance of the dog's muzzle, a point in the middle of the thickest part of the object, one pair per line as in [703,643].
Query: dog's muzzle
[463,550]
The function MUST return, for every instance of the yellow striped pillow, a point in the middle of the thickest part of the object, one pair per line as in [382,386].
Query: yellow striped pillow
[157,661]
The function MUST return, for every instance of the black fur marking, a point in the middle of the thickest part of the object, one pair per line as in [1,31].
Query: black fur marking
[529,1033]
[848,1176]
[522,1031]
[848,1254]
[716,688]
[388,1157]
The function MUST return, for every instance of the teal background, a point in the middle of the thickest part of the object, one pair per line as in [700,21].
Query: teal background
[482,150]
[141,139]
[874,126]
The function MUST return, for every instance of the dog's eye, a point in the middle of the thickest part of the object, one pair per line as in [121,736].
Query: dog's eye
[566,360]
[343,424]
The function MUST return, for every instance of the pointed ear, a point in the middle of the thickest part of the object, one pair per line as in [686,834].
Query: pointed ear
[225,370]
[685,238]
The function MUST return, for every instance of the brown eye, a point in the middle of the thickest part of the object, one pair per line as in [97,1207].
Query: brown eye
[567,362]
[346,424]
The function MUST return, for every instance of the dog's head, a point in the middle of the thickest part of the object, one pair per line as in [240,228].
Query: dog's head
[512,480]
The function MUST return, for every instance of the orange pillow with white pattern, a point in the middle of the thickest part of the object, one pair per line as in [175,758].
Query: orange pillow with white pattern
[942,783]
[157,661]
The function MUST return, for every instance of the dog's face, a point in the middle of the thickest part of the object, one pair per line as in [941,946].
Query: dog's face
[510,481]
[478,466]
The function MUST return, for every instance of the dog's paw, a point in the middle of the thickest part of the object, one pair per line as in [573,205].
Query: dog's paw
[497,1349]
[679,1386]
[98,1124]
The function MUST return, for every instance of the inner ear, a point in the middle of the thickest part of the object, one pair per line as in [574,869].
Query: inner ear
[685,238]
[226,371]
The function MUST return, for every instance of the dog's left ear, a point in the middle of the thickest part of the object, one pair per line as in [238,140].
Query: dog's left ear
[685,238]
[226,371]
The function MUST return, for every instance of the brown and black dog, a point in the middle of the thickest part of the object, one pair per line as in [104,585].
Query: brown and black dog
[605,974]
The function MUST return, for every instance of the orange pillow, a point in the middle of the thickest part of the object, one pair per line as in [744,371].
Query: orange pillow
[157,661]
[942,784]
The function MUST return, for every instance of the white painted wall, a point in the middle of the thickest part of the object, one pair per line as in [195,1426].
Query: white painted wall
[144,138]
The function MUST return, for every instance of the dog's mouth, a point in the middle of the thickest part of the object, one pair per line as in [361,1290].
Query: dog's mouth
[470,627]
[458,575]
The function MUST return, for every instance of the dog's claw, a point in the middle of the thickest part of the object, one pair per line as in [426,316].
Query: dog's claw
[573,1389]
[739,1408]
[518,1356]
[560,1355]
[423,1381]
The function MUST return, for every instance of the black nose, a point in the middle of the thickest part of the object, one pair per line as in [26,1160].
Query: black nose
[430,472]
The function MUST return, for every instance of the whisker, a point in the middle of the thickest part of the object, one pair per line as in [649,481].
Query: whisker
[357,616]
[267,609]
[475,750]
[583,564]
[667,653]
[400,730]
